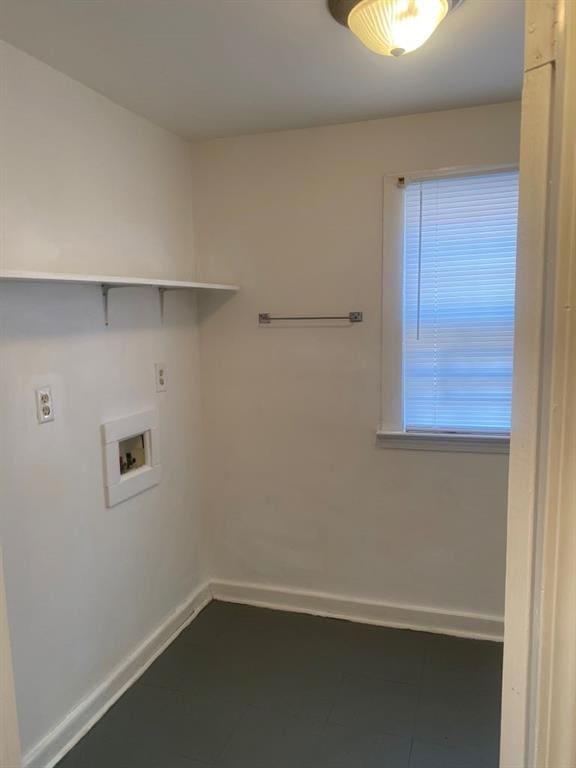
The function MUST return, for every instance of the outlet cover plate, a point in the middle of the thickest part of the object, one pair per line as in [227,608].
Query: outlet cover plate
[44,405]
[161,381]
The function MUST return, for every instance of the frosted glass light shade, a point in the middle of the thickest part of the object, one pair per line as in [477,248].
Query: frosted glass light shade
[395,27]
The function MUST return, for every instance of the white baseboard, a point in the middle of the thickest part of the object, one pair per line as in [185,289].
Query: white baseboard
[52,747]
[473,625]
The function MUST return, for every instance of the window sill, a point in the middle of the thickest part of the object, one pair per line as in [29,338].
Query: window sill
[426,441]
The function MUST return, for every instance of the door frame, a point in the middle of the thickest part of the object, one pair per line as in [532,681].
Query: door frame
[539,679]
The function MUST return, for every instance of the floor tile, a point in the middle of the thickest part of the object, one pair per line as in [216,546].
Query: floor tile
[391,654]
[262,739]
[262,635]
[452,661]
[380,706]
[286,682]
[203,671]
[152,717]
[225,621]
[460,692]
[344,747]
[431,755]
[457,715]
[295,687]
[101,752]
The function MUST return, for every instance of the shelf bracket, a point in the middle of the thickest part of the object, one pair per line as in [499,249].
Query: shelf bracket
[105,289]
[161,291]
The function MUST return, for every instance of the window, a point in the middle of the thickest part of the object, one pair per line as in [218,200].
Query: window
[459,280]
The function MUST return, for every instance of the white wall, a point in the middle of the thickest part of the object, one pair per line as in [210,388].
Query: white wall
[299,496]
[86,186]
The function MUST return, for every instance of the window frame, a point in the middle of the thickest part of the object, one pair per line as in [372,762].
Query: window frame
[391,432]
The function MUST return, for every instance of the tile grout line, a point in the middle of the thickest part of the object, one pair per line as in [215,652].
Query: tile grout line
[331,709]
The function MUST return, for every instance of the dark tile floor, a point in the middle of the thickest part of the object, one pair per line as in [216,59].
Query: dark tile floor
[251,688]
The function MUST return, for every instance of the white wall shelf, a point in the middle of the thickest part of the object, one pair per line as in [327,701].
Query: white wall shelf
[106,282]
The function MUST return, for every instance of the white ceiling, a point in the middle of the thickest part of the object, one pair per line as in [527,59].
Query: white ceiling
[207,68]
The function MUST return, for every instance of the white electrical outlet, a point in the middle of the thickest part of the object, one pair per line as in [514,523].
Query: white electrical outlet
[44,405]
[161,383]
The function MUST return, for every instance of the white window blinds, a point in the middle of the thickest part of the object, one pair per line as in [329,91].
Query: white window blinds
[459,279]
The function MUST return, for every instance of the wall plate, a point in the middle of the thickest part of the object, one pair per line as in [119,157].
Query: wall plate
[44,405]
[121,484]
[161,380]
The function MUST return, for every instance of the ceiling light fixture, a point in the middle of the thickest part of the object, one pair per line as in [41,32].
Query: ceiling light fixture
[391,27]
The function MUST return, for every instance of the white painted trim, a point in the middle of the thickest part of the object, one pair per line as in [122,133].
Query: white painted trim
[555,617]
[532,346]
[60,740]
[463,170]
[9,736]
[129,426]
[446,622]
[427,441]
[121,487]
[391,306]
[133,483]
